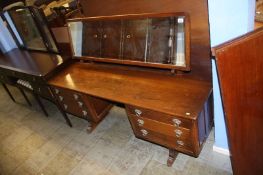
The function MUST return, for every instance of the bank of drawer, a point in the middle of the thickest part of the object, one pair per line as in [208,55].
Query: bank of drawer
[158,116]
[160,127]
[72,102]
[183,145]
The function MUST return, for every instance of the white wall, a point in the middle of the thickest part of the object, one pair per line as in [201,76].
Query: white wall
[228,19]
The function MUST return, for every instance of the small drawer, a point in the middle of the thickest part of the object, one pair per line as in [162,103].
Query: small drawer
[75,110]
[164,140]
[160,127]
[158,116]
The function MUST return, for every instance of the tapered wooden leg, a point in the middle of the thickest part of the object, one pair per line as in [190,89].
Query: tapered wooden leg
[40,104]
[8,92]
[64,115]
[91,126]
[172,156]
[25,97]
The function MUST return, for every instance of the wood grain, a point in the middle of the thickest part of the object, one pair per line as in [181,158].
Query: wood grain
[240,66]
[150,89]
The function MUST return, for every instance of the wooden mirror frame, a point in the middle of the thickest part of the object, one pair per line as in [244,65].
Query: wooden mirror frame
[187,44]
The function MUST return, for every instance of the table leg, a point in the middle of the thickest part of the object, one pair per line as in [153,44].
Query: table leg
[8,92]
[64,115]
[24,95]
[172,156]
[40,104]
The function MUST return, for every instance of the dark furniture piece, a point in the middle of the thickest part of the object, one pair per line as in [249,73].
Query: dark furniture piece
[30,29]
[30,70]
[239,63]
[172,110]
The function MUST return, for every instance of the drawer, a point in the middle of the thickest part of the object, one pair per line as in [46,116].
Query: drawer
[72,102]
[182,145]
[160,127]
[75,110]
[158,116]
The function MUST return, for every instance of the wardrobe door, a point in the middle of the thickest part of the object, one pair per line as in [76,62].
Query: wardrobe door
[161,40]
[240,70]
[91,38]
[111,39]
[135,39]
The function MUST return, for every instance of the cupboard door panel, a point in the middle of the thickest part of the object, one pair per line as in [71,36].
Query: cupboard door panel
[239,66]
[160,41]
[91,39]
[135,34]
[111,39]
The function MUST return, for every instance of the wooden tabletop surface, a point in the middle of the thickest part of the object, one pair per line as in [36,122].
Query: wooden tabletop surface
[30,62]
[155,90]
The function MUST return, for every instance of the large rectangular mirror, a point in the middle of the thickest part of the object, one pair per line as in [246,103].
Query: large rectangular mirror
[142,40]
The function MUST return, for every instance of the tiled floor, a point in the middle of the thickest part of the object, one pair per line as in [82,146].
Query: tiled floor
[31,143]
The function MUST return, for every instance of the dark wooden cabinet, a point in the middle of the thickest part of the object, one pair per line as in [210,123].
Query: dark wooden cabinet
[174,132]
[84,106]
[161,40]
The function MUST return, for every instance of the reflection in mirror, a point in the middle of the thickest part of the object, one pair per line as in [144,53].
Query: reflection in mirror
[76,30]
[156,40]
[259,10]
[25,25]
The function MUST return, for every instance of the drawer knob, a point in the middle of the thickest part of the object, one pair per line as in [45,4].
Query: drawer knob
[144,132]
[138,112]
[95,36]
[65,106]
[178,132]
[128,36]
[56,91]
[60,98]
[76,96]
[85,113]
[104,36]
[180,143]
[140,122]
[80,104]
[177,122]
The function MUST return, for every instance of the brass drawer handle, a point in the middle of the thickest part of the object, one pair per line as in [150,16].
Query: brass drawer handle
[65,106]
[128,36]
[140,122]
[104,36]
[85,113]
[180,143]
[178,132]
[144,132]
[56,91]
[76,96]
[95,36]
[177,122]
[60,98]
[138,112]
[80,104]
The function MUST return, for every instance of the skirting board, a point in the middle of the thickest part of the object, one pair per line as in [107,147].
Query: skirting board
[221,150]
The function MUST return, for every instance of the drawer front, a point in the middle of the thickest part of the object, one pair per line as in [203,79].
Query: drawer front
[72,103]
[160,127]
[179,144]
[158,116]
